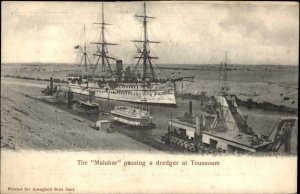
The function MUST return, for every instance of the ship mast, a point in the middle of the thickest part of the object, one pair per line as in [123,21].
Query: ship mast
[144,54]
[101,52]
[224,79]
[85,55]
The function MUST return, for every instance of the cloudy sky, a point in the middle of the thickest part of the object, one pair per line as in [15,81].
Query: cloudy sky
[190,32]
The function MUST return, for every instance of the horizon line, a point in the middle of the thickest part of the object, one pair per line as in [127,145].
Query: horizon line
[158,64]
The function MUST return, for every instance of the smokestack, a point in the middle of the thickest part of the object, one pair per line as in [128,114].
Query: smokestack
[190,108]
[91,96]
[119,69]
[69,97]
[51,84]
[198,129]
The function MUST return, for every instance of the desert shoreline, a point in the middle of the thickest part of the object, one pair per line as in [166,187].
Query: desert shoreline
[29,124]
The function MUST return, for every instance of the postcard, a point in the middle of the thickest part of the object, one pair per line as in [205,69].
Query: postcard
[149,97]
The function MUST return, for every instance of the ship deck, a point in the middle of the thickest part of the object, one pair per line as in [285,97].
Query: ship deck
[241,139]
[131,113]
[238,138]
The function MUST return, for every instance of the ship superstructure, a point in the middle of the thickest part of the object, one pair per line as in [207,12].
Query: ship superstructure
[130,85]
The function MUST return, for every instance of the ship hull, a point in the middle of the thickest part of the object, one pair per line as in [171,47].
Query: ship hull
[136,96]
[131,122]
[132,116]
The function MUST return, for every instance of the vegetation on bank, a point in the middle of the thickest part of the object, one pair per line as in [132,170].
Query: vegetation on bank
[249,103]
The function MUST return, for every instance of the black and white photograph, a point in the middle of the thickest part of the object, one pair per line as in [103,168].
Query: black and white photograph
[180,78]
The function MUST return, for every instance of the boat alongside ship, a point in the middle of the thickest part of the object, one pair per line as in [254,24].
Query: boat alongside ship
[132,116]
[85,107]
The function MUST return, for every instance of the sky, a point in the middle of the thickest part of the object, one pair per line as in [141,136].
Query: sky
[190,32]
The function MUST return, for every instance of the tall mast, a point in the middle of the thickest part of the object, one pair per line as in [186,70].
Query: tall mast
[224,78]
[85,62]
[145,44]
[103,40]
[84,57]
[102,51]
[146,50]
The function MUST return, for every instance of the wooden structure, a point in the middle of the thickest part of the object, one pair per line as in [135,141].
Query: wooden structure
[103,125]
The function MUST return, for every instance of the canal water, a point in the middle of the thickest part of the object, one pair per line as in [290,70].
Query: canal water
[261,121]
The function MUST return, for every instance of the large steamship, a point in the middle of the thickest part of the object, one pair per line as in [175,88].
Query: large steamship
[139,84]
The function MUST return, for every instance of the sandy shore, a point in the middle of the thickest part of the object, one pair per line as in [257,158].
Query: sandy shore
[27,123]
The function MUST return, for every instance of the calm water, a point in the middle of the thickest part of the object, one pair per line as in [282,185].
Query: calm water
[261,121]
[260,82]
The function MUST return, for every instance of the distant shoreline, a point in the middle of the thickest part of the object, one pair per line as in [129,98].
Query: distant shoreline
[36,79]
[163,64]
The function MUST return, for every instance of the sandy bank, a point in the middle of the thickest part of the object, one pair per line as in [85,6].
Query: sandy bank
[29,124]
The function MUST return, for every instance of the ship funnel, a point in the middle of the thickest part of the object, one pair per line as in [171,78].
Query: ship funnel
[69,97]
[91,96]
[190,108]
[51,84]
[198,129]
[119,69]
